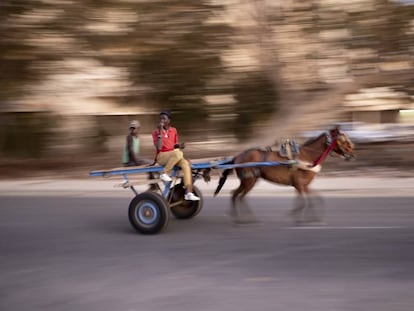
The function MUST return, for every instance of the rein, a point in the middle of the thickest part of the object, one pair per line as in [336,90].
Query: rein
[326,152]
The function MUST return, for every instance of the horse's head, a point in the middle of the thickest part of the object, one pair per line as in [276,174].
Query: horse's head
[344,146]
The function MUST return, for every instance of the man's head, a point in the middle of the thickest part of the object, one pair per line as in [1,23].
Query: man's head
[134,127]
[166,112]
[165,117]
[134,124]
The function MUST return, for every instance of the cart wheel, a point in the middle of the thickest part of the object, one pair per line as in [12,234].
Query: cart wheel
[148,213]
[182,209]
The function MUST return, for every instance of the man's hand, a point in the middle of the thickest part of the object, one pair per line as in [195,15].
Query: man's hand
[180,146]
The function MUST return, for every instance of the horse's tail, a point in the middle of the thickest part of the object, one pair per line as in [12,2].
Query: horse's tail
[223,177]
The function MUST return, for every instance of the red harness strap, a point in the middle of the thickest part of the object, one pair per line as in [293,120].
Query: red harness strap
[326,152]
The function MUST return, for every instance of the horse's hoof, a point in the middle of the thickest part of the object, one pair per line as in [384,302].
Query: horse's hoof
[245,220]
[296,219]
[232,213]
[306,223]
[313,219]
[298,222]
[317,223]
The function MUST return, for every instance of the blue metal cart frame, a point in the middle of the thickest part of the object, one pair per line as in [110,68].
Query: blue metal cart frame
[149,211]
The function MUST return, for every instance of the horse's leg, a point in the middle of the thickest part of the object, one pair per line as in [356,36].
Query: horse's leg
[237,199]
[308,212]
[234,213]
[314,212]
[246,215]
[299,206]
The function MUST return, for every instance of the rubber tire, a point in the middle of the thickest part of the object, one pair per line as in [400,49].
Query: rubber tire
[156,206]
[187,209]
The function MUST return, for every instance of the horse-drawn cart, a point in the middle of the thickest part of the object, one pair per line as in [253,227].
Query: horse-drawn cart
[149,211]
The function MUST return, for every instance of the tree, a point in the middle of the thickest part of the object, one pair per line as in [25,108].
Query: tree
[385,29]
[178,50]
[16,53]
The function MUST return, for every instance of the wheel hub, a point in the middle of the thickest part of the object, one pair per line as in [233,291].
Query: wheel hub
[147,213]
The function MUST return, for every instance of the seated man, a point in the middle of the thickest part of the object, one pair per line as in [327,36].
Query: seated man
[165,139]
[131,151]
[131,155]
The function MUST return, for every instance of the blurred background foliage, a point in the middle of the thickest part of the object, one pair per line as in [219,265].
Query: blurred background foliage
[230,67]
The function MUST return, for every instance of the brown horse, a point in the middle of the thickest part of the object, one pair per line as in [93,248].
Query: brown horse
[311,154]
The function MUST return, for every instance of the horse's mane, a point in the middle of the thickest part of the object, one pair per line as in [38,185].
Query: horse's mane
[312,140]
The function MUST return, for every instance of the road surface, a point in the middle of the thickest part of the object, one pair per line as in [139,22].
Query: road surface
[76,250]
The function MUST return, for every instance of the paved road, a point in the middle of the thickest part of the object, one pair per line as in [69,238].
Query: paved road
[75,250]
[382,184]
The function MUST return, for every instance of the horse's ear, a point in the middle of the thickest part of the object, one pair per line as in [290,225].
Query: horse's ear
[335,130]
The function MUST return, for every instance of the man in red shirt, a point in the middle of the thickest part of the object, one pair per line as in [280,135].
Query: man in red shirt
[165,139]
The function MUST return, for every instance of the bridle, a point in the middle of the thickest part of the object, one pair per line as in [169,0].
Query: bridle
[331,143]
[343,142]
